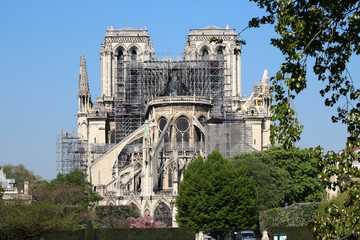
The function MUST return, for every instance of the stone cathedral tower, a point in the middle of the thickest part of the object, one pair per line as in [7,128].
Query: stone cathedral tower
[154,116]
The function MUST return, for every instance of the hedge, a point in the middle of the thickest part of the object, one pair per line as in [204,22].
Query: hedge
[293,233]
[292,216]
[109,234]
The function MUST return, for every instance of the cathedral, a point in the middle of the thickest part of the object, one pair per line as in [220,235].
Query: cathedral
[155,116]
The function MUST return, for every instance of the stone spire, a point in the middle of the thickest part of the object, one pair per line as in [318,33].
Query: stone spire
[265,81]
[84,92]
[267,96]
[83,79]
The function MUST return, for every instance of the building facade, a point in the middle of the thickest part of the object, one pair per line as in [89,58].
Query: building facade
[155,116]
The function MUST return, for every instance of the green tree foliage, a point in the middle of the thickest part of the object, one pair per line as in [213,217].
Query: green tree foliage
[215,196]
[2,190]
[333,209]
[297,215]
[271,182]
[338,218]
[20,174]
[346,215]
[69,189]
[77,178]
[114,216]
[31,220]
[61,193]
[283,176]
[328,32]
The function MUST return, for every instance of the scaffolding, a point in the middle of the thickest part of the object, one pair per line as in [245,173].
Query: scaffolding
[71,153]
[138,82]
[229,138]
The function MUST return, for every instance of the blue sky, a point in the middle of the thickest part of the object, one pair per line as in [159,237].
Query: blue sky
[42,41]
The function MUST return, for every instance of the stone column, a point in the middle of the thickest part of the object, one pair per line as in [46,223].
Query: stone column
[26,187]
[238,74]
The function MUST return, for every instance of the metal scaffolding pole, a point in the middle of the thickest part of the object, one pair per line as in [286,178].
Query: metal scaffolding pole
[138,82]
[71,153]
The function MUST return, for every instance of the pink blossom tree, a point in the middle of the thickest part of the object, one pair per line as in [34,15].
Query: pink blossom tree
[145,222]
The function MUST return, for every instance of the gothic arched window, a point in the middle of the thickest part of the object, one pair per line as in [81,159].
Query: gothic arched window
[162,123]
[170,178]
[200,137]
[133,54]
[120,56]
[205,54]
[120,73]
[112,137]
[182,132]
[220,54]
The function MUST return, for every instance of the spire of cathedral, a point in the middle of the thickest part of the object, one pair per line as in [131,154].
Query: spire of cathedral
[84,92]
[265,81]
[83,79]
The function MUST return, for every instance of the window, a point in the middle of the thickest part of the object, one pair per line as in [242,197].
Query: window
[120,56]
[205,54]
[170,179]
[220,54]
[162,123]
[182,132]
[182,124]
[133,55]
[112,137]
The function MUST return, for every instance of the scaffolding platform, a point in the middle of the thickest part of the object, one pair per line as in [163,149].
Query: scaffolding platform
[139,82]
[70,152]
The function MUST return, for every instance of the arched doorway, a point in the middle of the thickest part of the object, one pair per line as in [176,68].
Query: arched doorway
[135,208]
[163,214]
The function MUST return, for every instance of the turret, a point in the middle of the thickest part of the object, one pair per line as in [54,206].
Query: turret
[267,96]
[85,103]
[84,92]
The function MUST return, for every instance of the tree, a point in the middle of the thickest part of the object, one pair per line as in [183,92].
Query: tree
[329,32]
[77,178]
[20,174]
[115,216]
[341,220]
[215,196]
[271,182]
[69,189]
[330,208]
[2,190]
[32,220]
[283,176]
[61,193]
